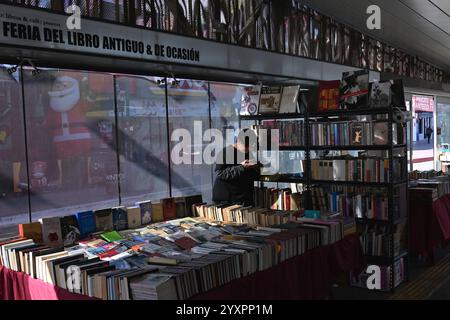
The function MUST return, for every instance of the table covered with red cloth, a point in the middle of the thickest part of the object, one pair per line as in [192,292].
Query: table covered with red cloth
[308,276]
[429,224]
[20,286]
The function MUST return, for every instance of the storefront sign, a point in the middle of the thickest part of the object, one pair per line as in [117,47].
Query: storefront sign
[23,29]
[27,27]
[423,104]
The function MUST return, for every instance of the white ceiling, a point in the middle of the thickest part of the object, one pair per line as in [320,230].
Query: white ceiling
[419,27]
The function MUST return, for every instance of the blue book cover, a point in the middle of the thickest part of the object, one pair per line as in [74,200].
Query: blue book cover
[86,222]
[120,218]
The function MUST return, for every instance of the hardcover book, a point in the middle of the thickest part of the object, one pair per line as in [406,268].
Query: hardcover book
[180,204]
[86,222]
[380,94]
[103,220]
[289,99]
[157,211]
[70,230]
[357,134]
[51,230]
[120,219]
[146,212]
[31,231]
[354,89]
[134,217]
[250,100]
[380,133]
[328,95]
[270,100]
[169,208]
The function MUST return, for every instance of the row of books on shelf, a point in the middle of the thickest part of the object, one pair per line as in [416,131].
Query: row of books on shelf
[380,242]
[278,199]
[291,133]
[69,229]
[359,202]
[397,269]
[176,259]
[245,214]
[362,203]
[429,174]
[363,169]
[353,91]
[350,133]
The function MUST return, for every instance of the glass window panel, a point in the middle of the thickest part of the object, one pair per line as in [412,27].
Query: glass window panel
[142,134]
[13,175]
[188,102]
[70,122]
[225,106]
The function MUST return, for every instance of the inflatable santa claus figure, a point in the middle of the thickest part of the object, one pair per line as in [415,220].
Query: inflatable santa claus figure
[71,136]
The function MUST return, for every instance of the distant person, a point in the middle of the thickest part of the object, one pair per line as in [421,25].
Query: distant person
[235,180]
[429,132]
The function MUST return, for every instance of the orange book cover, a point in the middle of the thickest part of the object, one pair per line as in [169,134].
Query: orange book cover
[31,231]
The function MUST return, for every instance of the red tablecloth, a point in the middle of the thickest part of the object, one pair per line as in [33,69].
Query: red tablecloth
[308,276]
[429,224]
[20,286]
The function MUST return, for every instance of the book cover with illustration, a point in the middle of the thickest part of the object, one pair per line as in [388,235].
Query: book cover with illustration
[51,230]
[250,100]
[70,230]
[357,134]
[328,95]
[380,94]
[146,212]
[270,100]
[354,90]
[120,218]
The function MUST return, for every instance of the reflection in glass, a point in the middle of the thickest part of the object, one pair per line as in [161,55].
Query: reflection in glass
[188,102]
[13,175]
[142,133]
[70,123]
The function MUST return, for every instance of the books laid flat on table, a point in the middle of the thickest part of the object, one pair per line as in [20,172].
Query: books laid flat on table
[175,259]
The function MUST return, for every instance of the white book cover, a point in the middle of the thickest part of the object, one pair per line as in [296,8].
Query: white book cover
[289,99]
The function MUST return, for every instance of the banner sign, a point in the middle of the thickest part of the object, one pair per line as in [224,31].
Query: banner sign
[36,28]
[423,103]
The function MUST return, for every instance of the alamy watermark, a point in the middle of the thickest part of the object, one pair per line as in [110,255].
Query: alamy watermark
[374,20]
[73,22]
[204,146]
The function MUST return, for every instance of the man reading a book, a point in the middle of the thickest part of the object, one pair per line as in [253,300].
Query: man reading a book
[236,170]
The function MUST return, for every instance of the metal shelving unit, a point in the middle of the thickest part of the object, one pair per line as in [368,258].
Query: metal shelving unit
[390,148]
